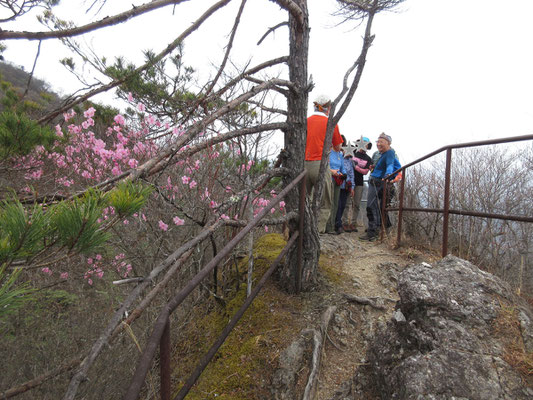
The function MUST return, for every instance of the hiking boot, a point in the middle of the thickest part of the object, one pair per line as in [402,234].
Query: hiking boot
[348,228]
[368,238]
[339,230]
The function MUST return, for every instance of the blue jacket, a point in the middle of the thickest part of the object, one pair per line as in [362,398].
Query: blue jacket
[386,165]
[348,167]
[336,161]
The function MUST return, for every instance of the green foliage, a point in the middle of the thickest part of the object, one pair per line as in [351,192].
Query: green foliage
[12,296]
[76,223]
[21,232]
[19,135]
[129,197]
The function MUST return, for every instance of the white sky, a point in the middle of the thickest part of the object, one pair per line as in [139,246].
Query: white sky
[439,71]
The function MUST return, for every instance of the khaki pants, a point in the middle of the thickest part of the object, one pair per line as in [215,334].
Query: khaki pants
[324,213]
[351,212]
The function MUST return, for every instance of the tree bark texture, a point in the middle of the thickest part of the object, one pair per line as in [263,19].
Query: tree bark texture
[295,138]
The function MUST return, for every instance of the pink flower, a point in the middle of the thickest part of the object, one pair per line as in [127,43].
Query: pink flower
[266,228]
[178,221]
[90,281]
[130,97]
[141,107]
[89,261]
[119,119]
[133,163]
[46,270]
[192,184]
[228,189]
[89,113]
[213,204]
[281,205]
[126,222]
[163,226]
[224,217]
[64,275]
[59,132]
[185,179]
[98,257]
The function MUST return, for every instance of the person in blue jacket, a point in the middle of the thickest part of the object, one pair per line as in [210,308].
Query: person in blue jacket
[384,166]
[338,174]
[346,187]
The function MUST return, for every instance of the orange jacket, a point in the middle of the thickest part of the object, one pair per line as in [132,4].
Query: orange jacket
[316,133]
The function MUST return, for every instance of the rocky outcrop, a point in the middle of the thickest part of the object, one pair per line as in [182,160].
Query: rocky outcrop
[450,336]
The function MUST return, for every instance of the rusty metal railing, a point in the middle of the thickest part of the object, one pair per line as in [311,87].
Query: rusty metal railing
[161,329]
[446,211]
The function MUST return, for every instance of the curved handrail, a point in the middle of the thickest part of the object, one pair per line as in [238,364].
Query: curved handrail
[160,330]
[446,207]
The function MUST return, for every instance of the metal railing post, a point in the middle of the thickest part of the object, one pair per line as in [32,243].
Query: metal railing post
[446,214]
[301,211]
[164,358]
[383,207]
[400,211]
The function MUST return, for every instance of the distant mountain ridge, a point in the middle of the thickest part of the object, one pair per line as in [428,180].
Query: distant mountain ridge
[39,91]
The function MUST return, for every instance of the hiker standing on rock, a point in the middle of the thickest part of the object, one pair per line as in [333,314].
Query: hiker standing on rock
[384,166]
[316,134]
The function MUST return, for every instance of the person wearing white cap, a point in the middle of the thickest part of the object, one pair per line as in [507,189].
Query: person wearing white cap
[316,134]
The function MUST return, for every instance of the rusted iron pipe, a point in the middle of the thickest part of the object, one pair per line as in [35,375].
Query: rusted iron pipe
[229,327]
[164,360]
[400,209]
[301,211]
[151,345]
[517,218]
[469,144]
[446,214]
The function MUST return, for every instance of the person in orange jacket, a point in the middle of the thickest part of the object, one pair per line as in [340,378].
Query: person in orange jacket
[316,134]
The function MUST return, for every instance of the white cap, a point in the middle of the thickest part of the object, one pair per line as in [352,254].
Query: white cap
[322,99]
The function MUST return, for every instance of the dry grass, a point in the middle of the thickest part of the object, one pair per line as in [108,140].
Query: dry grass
[507,328]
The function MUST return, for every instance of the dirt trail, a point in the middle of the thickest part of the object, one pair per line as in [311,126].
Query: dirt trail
[363,269]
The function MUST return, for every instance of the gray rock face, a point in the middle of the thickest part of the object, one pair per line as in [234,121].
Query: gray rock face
[441,342]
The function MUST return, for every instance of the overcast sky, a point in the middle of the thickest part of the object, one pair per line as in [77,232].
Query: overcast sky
[439,71]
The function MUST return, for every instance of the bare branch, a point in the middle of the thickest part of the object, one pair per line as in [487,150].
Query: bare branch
[32,70]
[171,47]
[107,21]
[293,8]
[271,30]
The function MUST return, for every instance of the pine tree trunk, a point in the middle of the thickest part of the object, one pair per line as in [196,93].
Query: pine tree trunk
[295,138]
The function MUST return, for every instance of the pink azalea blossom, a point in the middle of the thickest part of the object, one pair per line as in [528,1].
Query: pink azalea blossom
[119,119]
[90,281]
[126,222]
[59,132]
[178,221]
[64,275]
[281,205]
[185,179]
[90,261]
[130,97]
[224,217]
[89,113]
[163,226]
[266,228]
[133,163]
[141,107]
[192,184]
[46,270]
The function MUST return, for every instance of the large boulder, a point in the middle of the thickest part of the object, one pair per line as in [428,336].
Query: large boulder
[450,337]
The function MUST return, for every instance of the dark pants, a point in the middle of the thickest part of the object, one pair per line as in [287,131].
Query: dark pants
[343,197]
[373,205]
